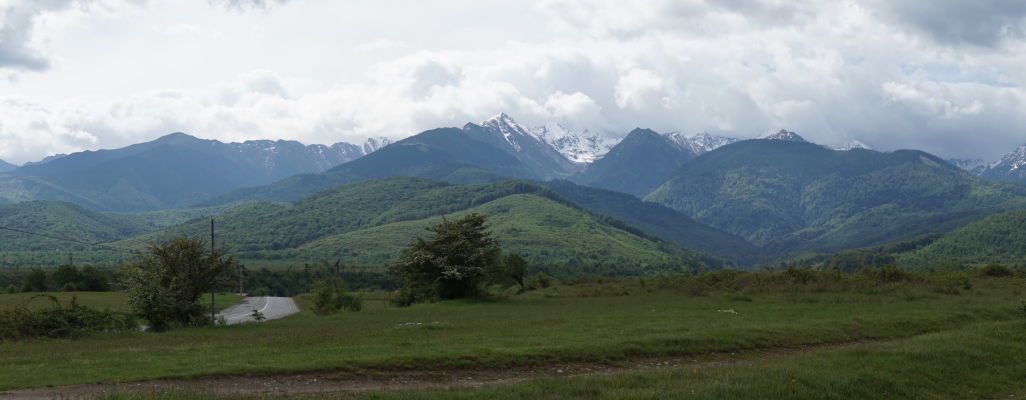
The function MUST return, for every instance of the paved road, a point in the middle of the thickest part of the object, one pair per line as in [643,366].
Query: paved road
[271,307]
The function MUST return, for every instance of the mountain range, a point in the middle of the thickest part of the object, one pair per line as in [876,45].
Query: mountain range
[6,166]
[789,195]
[175,170]
[1011,167]
[699,197]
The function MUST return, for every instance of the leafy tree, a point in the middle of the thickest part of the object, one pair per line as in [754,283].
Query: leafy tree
[93,280]
[451,263]
[165,282]
[35,281]
[67,278]
[512,268]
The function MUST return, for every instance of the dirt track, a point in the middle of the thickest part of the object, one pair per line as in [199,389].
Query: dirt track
[381,380]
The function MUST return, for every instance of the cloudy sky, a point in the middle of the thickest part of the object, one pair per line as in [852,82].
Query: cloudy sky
[945,76]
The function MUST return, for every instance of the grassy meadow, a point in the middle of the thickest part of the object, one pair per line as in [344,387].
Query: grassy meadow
[115,301]
[601,321]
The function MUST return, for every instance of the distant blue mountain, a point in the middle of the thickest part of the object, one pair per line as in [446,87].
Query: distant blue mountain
[6,166]
[172,171]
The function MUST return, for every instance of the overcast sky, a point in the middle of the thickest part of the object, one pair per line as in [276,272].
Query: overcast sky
[944,76]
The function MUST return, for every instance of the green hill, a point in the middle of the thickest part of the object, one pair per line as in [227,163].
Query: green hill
[999,238]
[540,229]
[794,196]
[659,220]
[367,221]
[62,220]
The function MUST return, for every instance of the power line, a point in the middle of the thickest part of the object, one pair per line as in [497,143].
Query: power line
[100,244]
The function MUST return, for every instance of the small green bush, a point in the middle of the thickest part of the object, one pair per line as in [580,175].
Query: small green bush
[72,321]
[996,271]
[887,274]
[540,281]
[331,297]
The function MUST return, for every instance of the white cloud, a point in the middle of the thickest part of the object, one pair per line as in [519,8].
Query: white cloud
[883,73]
[640,89]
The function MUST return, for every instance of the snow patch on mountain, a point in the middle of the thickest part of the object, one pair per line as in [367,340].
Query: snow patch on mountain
[1012,161]
[699,143]
[510,130]
[852,145]
[374,144]
[784,135]
[974,166]
[579,147]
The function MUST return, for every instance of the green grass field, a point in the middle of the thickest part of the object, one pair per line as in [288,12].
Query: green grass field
[981,360]
[596,321]
[115,301]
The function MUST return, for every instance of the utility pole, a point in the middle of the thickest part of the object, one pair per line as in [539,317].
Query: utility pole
[212,255]
[240,278]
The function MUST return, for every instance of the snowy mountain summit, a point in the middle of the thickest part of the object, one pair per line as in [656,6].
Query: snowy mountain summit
[784,135]
[975,166]
[1014,161]
[699,143]
[852,145]
[513,133]
[579,147]
[537,154]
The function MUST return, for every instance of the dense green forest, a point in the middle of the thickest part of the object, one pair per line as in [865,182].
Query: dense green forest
[797,196]
[659,220]
[639,163]
[371,221]
[61,220]
[999,238]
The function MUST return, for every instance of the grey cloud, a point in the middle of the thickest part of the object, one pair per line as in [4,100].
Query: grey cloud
[985,23]
[17,23]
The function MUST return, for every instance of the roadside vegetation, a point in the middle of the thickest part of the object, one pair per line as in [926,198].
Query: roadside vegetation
[596,320]
[164,284]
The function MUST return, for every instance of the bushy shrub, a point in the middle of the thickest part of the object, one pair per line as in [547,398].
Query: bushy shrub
[453,262]
[996,271]
[35,281]
[58,321]
[165,282]
[540,281]
[331,297]
[887,274]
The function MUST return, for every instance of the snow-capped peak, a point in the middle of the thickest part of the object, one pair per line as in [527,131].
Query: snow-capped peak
[784,135]
[510,129]
[375,144]
[701,142]
[852,145]
[1012,161]
[579,147]
[975,166]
